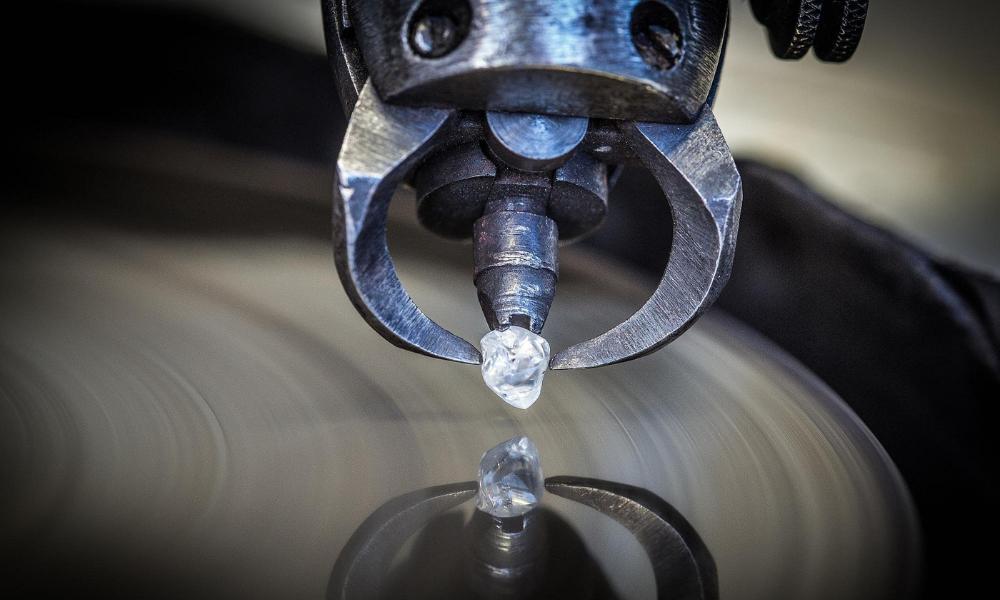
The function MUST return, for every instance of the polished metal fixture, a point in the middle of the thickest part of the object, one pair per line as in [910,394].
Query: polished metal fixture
[510,120]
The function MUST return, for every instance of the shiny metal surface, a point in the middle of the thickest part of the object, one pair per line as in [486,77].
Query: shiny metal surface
[533,142]
[342,50]
[579,198]
[515,251]
[561,63]
[691,163]
[568,57]
[516,267]
[905,133]
[211,408]
[694,168]
[382,144]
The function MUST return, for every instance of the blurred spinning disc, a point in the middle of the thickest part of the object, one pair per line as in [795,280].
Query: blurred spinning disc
[196,415]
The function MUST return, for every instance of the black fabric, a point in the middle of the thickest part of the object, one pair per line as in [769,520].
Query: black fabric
[908,342]
[115,64]
[900,337]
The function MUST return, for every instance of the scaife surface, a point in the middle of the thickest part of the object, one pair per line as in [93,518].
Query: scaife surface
[514,363]
[189,415]
[510,478]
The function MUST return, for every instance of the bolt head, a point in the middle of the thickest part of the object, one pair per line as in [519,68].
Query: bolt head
[433,36]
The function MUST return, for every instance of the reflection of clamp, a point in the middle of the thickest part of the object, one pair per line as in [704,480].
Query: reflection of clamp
[682,565]
[691,163]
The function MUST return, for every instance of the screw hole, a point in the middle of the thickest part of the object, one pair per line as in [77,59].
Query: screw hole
[437,27]
[656,34]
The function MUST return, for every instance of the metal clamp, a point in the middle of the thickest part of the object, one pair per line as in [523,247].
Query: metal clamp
[691,163]
[382,143]
[694,168]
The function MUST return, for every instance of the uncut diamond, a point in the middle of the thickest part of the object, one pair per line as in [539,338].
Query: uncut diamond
[510,479]
[514,362]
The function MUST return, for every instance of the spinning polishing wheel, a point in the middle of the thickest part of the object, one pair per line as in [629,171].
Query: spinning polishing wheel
[206,416]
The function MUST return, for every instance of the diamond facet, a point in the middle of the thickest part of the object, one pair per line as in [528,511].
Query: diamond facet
[510,479]
[514,361]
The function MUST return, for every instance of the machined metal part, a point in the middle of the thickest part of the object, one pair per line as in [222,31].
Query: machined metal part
[614,59]
[343,52]
[508,557]
[381,145]
[694,168]
[691,163]
[574,50]
[515,251]
[516,268]
[452,187]
[519,181]
[534,142]
[579,199]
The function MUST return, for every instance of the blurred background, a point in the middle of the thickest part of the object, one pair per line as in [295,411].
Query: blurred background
[906,133]
[159,150]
